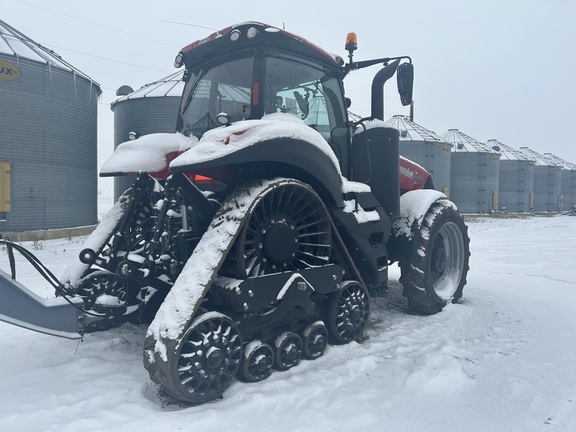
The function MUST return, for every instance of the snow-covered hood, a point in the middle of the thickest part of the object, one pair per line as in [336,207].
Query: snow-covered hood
[224,141]
[148,153]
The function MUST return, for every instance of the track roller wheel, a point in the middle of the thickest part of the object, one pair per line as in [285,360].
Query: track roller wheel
[315,340]
[348,312]
[206,360]
[287,350]
[257,362]
[288,229]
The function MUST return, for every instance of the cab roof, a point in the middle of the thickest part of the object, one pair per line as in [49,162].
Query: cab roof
[251,35]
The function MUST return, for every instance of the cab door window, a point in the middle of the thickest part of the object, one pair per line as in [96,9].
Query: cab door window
[310,93]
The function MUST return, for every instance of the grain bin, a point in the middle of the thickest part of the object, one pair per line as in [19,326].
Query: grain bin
[547,182]
[568,183]
[475,173]
[153,108]
[48,138]
[516,185]
[427,149]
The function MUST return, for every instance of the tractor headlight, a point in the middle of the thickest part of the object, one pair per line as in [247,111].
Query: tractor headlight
[252,32]
[179,61]
[235,35]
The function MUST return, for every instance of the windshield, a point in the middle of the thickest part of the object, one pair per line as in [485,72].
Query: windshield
[226,87]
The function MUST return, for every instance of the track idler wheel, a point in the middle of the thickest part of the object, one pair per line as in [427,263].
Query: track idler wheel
[206,360]
[315,340]
[348,312]
[257,362]
[287,350]
[288,229]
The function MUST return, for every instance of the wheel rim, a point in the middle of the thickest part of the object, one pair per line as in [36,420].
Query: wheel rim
[258,361]
[288,350]
[349,312]
[209,357]
[447,261]
[288,230]
[315,340]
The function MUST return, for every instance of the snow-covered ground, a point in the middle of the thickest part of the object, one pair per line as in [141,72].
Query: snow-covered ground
[504,359]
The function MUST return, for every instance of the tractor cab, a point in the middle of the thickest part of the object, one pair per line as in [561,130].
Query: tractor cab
[252,70]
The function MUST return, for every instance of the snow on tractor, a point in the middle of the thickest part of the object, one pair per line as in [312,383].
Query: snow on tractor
[256,234]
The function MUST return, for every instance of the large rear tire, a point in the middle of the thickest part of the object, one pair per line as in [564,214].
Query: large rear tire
[437,275]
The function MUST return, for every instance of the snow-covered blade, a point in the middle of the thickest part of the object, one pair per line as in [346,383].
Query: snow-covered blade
[21,307]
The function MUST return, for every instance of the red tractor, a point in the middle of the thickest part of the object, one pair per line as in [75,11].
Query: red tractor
[256,234]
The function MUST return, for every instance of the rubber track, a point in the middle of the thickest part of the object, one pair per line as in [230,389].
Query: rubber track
[173,318]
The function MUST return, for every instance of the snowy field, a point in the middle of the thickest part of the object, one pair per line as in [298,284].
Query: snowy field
[504,359]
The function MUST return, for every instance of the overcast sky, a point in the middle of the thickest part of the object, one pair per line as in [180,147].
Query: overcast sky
[495,69]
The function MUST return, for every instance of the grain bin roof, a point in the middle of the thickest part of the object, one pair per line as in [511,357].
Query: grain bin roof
[410,131]
[464,143]
[172,85]
[558,160]
[540,159]
[506,152]
[15,44]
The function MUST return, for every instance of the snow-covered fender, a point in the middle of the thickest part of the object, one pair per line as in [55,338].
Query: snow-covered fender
[276,145]
[413,207]
[150,153]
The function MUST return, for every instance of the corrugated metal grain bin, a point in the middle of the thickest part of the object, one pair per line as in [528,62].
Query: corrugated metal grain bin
[516,185]
[151,109]
[426,149]
[475,172]
[568,183]
[48,138]
[547,182]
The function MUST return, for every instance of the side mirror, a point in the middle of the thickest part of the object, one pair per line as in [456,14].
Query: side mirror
[405,76]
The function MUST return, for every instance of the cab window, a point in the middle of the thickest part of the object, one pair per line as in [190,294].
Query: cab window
[310,93]
[225,87]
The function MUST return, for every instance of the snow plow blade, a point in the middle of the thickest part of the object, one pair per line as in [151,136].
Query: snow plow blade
[57,317]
